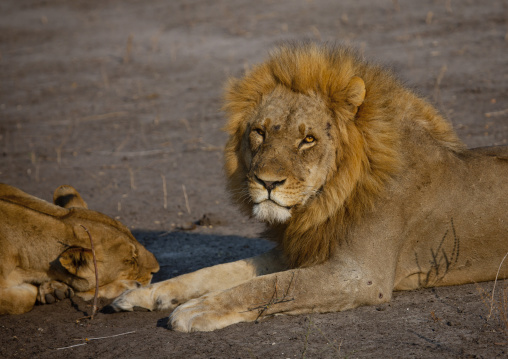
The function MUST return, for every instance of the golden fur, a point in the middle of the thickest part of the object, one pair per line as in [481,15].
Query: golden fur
[363,185]
[367,137]
[46,251]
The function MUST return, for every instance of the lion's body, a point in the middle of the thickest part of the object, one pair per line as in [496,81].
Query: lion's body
[44,248]
[364,186]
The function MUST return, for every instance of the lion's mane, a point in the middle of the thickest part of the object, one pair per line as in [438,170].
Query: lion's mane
[368,150]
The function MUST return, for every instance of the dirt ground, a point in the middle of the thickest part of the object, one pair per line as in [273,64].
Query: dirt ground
[121,99]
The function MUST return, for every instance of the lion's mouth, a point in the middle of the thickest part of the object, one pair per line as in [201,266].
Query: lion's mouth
[276,203]
[271,211]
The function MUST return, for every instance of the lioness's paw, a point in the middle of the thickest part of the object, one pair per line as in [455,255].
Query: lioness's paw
[152,297]
[205,314]
[138,297]
[51,291]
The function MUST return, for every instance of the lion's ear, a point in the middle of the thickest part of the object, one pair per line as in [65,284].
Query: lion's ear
[66,196]
[78,261]
[355,91]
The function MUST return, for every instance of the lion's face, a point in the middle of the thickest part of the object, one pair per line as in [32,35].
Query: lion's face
[288,152]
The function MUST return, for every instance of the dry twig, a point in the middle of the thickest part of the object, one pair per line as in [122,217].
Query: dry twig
[328,341]
[90,339]
[164,191]
[94,308]
[131,174]
[186,199]
[494,288]
[496,113]
[440,77]
[128,49]
[275,299]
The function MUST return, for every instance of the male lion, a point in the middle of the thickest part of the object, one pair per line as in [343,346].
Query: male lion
[364,186]
[45,251]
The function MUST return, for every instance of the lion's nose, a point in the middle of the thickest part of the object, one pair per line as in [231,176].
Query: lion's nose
[270,185]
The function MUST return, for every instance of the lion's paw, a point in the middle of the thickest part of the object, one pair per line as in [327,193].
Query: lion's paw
[205,314]
[51,291]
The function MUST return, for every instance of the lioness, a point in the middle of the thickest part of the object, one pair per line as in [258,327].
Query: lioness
[364,186]
[45,251]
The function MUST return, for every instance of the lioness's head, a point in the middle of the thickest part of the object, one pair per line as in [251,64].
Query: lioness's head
[119,255]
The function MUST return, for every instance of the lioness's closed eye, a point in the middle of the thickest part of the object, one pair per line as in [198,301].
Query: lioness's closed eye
[363,185]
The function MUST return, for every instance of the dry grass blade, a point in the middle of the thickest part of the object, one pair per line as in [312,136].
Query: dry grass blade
[439,79]
[328,341]
[186,199]
[494,288]
[164,192]
[497,113]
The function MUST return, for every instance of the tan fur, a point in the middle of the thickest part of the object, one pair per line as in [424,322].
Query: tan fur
[45,252]
[364,186]
[367,141]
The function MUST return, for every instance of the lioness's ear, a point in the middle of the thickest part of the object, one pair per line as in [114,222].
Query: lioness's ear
[77,260]
[66,196]
[355,91]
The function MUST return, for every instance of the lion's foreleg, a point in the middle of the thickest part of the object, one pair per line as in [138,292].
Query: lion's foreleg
[173,292]
[324,288]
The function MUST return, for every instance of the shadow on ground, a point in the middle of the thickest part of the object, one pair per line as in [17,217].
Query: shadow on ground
[181,252]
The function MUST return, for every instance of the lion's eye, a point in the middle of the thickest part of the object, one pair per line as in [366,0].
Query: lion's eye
[309,139]
[307,142]
[260,132]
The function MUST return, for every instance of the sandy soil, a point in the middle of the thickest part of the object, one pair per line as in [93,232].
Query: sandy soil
[121,99]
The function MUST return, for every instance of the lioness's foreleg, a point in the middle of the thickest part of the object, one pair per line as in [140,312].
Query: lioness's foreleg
[323,288]
[110,290]
[170,293]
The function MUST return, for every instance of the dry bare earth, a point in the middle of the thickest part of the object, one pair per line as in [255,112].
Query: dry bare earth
[121,99]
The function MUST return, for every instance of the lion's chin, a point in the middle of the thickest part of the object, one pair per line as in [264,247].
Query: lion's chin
[269,211]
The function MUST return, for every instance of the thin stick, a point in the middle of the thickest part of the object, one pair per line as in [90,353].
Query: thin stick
[496,113]
[128,49]
[71,346]
[186,199]
[274,300]
[494,288]
[306,341]
[131,173]
[109,336]
[329,342]
[444,68]
[98,338]
[94,308]
[165,192]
